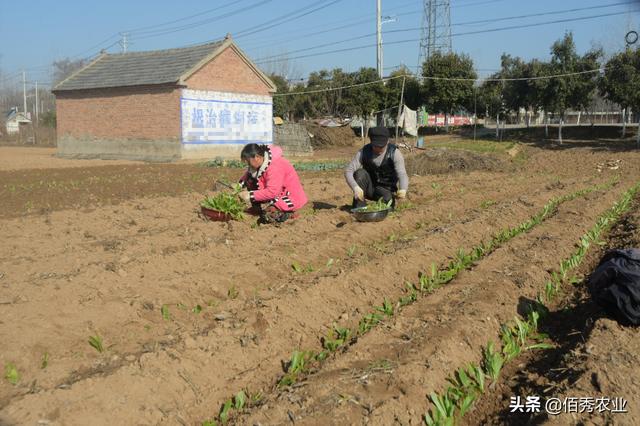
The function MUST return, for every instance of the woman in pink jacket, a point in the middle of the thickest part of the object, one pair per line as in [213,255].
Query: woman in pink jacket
[271,179]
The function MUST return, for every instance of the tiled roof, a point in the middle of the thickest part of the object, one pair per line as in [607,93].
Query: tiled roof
[138,68]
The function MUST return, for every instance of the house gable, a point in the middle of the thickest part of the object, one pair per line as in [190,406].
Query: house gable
[230,71]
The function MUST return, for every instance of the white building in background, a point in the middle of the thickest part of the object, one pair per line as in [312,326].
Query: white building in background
[15,119]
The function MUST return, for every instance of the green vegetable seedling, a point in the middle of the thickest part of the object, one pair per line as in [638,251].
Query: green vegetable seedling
[11,373]
[164,310]
[226,202]
[377,206]
[96,343]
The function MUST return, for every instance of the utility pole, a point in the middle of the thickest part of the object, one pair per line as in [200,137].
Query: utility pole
[24,92]
[379,34]
[400,106]
[36,101]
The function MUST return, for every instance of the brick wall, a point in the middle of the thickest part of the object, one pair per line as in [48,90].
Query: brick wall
[148,112]
[120,113]
[227,72]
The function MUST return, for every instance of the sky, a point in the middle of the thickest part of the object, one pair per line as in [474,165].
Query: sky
[38,32]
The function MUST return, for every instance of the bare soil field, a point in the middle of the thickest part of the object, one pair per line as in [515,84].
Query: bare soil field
[21,158]
[120,304]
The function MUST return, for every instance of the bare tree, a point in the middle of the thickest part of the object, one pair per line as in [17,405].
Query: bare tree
[279,64]
[63,68]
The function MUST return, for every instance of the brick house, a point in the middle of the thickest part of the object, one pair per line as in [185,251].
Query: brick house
[194,102]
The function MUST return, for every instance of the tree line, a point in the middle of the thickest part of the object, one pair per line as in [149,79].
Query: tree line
[448,83]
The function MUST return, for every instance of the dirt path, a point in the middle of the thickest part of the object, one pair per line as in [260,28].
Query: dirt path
[21,158]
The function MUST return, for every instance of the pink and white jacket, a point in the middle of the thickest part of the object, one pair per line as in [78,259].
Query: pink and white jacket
[276,181]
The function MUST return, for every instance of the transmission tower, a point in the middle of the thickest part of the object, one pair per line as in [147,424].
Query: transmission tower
[436,29]
[124,42]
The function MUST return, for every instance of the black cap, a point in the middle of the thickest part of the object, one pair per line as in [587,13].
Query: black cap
[379,136]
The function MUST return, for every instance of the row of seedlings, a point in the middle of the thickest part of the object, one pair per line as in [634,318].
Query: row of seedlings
[468,384]
[303,362]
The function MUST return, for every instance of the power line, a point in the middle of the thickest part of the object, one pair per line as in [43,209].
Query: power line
[162,31]
[39,83]
[95,46]
[209,20]
[156,33]
[542,77]
[274,22]
[278,21]
[547,77]
[478,3]
[46,68]
[513,27]
[240,34]
[410,67]
[139,29]
[324,27]
[436,29]
[264,59]
[532,15]
[420,28]
[204,12]
[359,21]
[11,77]
[338,88]
[325,31]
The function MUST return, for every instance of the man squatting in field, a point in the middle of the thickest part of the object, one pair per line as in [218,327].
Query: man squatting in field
[377,170]
[271,180]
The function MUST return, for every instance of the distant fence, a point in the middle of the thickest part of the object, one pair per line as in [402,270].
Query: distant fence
[598,117]
[30,135]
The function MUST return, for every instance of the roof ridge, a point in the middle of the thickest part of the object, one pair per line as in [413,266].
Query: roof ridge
[164,51]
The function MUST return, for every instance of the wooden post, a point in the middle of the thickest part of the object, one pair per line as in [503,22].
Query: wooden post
[560,130]
[475,113]
[546,125]
[400,106]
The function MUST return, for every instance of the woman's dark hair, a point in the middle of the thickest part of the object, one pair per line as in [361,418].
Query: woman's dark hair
[253,149]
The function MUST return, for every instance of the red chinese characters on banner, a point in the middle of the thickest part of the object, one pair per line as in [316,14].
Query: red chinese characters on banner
[454,120]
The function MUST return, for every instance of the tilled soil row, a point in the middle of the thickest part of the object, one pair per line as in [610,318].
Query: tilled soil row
[37,191]
[385,377]
[237,345]
[595,358]
[123,272]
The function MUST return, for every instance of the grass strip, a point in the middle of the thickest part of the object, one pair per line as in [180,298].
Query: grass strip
[314,166]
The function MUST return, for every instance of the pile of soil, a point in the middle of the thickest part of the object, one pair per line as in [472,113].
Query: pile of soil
[442,160]
[324,137]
